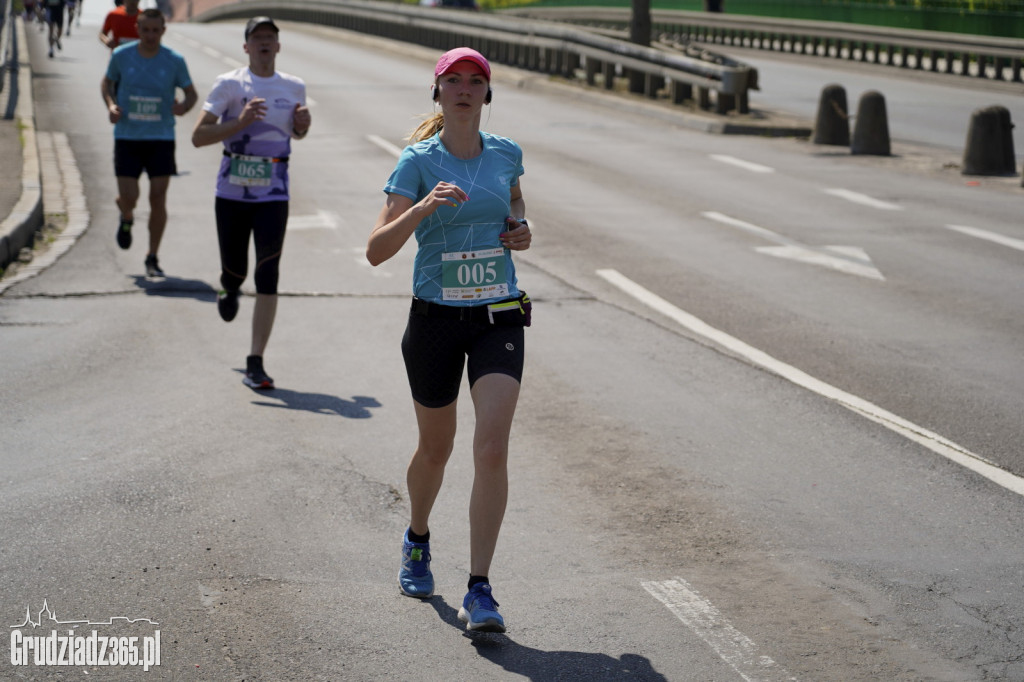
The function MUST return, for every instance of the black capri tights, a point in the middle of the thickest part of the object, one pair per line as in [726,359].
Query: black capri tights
[266,221]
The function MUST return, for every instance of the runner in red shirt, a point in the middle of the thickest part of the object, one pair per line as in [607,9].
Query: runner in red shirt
[120,24]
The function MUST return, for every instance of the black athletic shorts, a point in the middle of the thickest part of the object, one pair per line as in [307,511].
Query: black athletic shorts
[156,157]
[437,348]
[55,15]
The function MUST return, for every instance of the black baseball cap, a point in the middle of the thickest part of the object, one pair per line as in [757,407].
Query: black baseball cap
[256,22]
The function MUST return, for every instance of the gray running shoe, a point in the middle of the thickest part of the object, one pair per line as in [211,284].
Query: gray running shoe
[153,267]
[255,377]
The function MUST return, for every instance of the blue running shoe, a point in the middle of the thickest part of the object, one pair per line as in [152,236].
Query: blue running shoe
[480,612]
[415,578]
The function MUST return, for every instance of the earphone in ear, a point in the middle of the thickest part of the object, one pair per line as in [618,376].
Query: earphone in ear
[488,96]
[434,94]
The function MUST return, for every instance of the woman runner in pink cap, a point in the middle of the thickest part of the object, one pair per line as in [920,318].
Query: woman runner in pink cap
[456,188]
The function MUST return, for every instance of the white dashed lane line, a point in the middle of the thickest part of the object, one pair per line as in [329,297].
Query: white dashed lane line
[385,145]
[740,163]
[989,236]
[863,199]
[731,645]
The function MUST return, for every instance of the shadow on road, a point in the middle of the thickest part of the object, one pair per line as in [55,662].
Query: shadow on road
[536,664]
[176,287]
[320,403]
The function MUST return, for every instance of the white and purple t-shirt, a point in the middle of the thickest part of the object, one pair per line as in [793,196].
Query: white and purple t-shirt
[255,165]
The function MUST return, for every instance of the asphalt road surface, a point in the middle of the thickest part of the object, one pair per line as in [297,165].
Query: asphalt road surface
[770,425]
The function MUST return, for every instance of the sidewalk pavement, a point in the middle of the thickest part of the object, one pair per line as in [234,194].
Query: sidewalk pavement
[21,199]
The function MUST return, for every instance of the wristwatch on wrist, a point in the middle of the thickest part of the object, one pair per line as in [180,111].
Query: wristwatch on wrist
[522,221]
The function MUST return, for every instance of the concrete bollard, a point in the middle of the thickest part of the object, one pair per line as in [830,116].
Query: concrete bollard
[871,129]
[989,149]
[832,125]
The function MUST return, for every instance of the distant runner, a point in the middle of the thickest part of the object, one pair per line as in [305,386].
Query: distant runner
[255,111]
[139,89]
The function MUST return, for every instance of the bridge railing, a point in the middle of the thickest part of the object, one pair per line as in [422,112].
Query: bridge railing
[935,51]
[710,81]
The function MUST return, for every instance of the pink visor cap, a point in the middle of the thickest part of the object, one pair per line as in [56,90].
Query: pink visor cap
[461,54]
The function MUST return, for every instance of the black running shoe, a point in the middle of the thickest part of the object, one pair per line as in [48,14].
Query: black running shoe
[255,377]
[227,304]
[124,232]
[153,267]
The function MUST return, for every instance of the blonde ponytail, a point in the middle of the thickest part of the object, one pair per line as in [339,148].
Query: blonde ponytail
[428,128]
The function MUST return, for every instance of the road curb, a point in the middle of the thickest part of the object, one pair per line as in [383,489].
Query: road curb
[18,229]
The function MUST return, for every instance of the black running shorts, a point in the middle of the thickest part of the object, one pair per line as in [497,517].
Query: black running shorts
[436,349]
[156,157]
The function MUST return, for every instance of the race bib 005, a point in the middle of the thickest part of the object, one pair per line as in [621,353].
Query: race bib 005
[472,275]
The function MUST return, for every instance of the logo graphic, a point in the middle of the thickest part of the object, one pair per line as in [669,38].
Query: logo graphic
[80,649]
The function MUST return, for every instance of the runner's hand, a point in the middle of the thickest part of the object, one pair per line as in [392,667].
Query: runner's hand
[518,237]
[254,110]
[301,119]
[444,194]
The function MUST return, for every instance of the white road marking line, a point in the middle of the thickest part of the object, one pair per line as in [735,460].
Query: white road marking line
[321,220]
[191,42]
[209,51]
[746,165]
[744,225]
[932,441]
[385,145]
[852,260]
[863,199]
[990,236]
[701,616]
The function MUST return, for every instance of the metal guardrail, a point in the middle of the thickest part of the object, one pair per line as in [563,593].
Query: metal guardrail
[543,46]
[6,38]
[935,51]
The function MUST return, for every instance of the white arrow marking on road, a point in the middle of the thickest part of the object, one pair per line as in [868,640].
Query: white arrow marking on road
[322,220]
[990,236]
[701,616]
[852,260]
[746,165]
[864,199]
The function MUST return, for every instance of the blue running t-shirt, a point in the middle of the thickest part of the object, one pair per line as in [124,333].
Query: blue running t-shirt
[460,260]
[145,91]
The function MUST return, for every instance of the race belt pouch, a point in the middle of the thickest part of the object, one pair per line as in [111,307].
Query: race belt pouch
[514,313]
